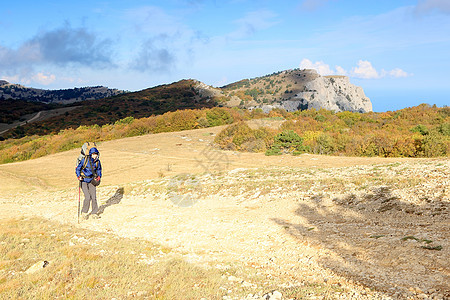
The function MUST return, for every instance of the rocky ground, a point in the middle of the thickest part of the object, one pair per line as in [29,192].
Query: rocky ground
[379,231]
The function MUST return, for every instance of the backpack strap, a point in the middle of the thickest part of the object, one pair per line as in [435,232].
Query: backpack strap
[93,169]
[86,160]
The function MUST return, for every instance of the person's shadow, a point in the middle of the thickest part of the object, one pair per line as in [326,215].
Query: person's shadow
[115,199]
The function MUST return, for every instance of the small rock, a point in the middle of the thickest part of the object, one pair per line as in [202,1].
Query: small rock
[275,295]
[37,267]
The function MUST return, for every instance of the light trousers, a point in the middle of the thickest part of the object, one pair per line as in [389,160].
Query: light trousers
[90,197]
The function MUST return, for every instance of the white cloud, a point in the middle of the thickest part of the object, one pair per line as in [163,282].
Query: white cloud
[340,71]
[44,79]
[12,79]
[30,78]
[397,73]
[364,70]
[321,67]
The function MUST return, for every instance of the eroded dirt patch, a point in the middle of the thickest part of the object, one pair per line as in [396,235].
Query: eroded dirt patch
[379,229]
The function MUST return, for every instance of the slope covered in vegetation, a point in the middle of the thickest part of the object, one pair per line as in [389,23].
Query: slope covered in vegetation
[12,110]
[421,131]
[34,146]
[153,101]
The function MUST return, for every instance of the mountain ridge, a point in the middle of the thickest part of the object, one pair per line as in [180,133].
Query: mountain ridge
[63,96]
[291,90]
[294,89]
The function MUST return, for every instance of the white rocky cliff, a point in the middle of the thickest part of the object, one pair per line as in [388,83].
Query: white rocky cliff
[291,90]
[331,93]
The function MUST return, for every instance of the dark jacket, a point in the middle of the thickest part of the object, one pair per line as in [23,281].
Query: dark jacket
[92,167]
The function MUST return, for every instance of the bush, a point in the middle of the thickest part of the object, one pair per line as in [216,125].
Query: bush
[287,141]
[444,129]
[325,144]
[218,116]
[124,121]
[435,145]
[422,129]
[235,134]
[274,150]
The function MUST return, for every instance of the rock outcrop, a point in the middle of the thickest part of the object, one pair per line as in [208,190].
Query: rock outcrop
[331,93]
[297,89]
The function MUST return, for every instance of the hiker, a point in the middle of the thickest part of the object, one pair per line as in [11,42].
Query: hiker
[89,172]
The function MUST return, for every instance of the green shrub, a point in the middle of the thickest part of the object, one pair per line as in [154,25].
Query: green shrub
[218,116]
[444,129]
[422,129]
[287,141]
[274,150]
[124,121]
[325,144]
[434,145]
[320,118]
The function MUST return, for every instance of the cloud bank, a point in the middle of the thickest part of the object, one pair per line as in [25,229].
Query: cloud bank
[62,46]
[363,70]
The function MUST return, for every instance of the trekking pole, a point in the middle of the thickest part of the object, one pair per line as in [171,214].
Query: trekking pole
[79,199]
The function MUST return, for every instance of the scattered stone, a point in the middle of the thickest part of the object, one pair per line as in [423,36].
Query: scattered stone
[234,278]
[39,266]
[274,295]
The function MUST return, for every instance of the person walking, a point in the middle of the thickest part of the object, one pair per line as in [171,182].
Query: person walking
[89,173]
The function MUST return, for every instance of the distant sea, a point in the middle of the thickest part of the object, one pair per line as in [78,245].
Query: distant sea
[391,100]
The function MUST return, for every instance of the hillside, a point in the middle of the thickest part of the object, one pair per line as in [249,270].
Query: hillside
[12,110]
[64,96]
[153,101]
[289,90]
[421,131]
[308,226]
[294,90]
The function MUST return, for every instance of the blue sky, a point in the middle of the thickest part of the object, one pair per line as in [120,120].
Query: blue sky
[397,51]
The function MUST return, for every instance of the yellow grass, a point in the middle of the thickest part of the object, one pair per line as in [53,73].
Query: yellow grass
[92,266]
[89,265]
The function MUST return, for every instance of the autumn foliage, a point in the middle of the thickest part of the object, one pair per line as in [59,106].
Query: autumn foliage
[420,131]
[35,146]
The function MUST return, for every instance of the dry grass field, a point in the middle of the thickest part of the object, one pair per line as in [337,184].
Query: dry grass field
[183,220]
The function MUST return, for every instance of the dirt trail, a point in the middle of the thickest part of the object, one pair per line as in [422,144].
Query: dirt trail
[35,117]
[356,222]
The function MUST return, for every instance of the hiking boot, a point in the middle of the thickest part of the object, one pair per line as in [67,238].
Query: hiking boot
[84,216]
[95,216]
